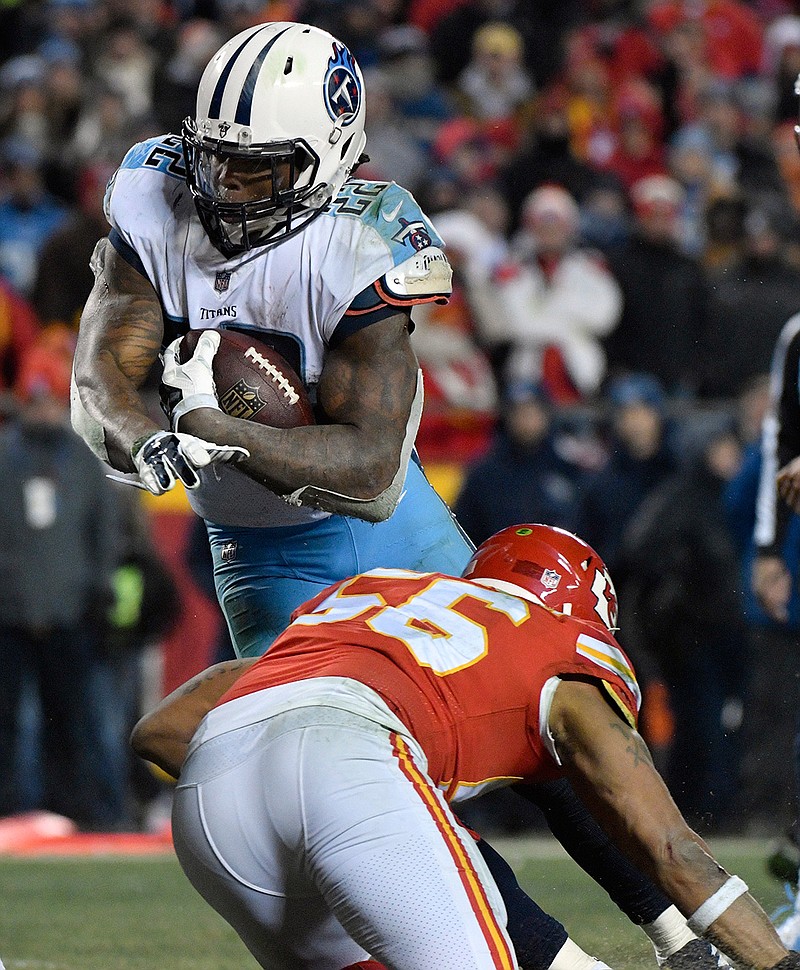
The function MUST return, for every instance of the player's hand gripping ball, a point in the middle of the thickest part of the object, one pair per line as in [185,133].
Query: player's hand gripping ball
[254,382]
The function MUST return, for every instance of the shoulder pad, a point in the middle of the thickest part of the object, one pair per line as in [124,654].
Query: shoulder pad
[424,276]
[161,154]
[390,210]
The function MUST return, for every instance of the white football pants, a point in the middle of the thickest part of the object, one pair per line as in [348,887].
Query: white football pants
[319,837]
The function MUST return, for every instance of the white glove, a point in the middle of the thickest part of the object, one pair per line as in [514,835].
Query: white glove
[191,385]
[167,457]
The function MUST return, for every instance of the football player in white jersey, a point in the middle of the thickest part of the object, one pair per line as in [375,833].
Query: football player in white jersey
[252,219]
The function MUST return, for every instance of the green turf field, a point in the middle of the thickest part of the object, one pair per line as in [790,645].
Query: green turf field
[141,914]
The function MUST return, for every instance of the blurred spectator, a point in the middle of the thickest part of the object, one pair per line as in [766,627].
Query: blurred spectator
[664,292]
[605,216]
[749,302]
[79,21]
[557,300]
[64,279]
[731,115]
[767,797]
[126,64]
[639,459]
[19,329]
[64,82]
[587,82]
[681,595]
[724,230]
[23,109]
[494,86]
[618,35]
[28,214]
[153,21]
[547,157]
[730,30]
[176,77]
[460,389]
[687,72]
[774,578]
[357,23]
[692,165]
[395,153]
[144,606]
[237,15]
[639,143]
[474,236]
[787,159]
[102,129]
[540,25]
[410,74]
[57,536]
[471,152]
[782,63]
[523,478]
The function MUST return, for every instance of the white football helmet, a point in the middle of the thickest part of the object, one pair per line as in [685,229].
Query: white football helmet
[279,127]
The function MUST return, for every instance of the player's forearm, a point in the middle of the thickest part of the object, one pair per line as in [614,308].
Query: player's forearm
[114,403]
[340,458]
[119,340]
[163,735]
[746,921]
[612,772]
[690,876]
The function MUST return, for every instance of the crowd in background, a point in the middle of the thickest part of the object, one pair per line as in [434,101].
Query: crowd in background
[618,187]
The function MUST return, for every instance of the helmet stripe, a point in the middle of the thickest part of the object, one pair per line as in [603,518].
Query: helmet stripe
[245,105]
[219,90]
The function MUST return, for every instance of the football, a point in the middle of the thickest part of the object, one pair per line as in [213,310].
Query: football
[254,382]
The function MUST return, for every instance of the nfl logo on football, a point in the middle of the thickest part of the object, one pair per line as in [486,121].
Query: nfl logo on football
[222,281]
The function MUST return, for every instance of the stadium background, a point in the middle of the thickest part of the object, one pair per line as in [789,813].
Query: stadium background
[636,109]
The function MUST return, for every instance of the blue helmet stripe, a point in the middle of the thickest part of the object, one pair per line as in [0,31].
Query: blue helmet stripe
[245,106]
[219,90]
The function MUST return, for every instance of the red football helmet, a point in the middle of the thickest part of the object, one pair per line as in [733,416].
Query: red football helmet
[561,571]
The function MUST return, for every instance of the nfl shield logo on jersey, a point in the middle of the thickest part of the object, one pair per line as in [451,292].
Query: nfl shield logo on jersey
[222,281]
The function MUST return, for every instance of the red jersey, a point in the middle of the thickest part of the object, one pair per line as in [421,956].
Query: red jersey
[466,668]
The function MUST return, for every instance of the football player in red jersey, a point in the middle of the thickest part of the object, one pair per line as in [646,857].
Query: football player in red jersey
[313,806]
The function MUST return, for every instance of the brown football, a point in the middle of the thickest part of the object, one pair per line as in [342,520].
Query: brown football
[254,382]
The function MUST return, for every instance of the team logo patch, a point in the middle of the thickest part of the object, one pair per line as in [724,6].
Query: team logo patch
[550,578]
[413,233]
[228,553]
[224,126]
[342,87]
[241,401]
[222,281]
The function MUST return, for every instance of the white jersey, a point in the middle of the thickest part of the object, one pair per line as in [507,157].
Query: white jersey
[295,295]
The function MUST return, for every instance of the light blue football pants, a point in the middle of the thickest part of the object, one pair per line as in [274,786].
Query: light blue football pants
[270,572]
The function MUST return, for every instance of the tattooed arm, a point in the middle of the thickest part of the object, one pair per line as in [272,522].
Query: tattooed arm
[610,768]
[120,337]
[368,391]
[163,735]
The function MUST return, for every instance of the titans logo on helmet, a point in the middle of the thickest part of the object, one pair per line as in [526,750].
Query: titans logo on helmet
[342,86]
